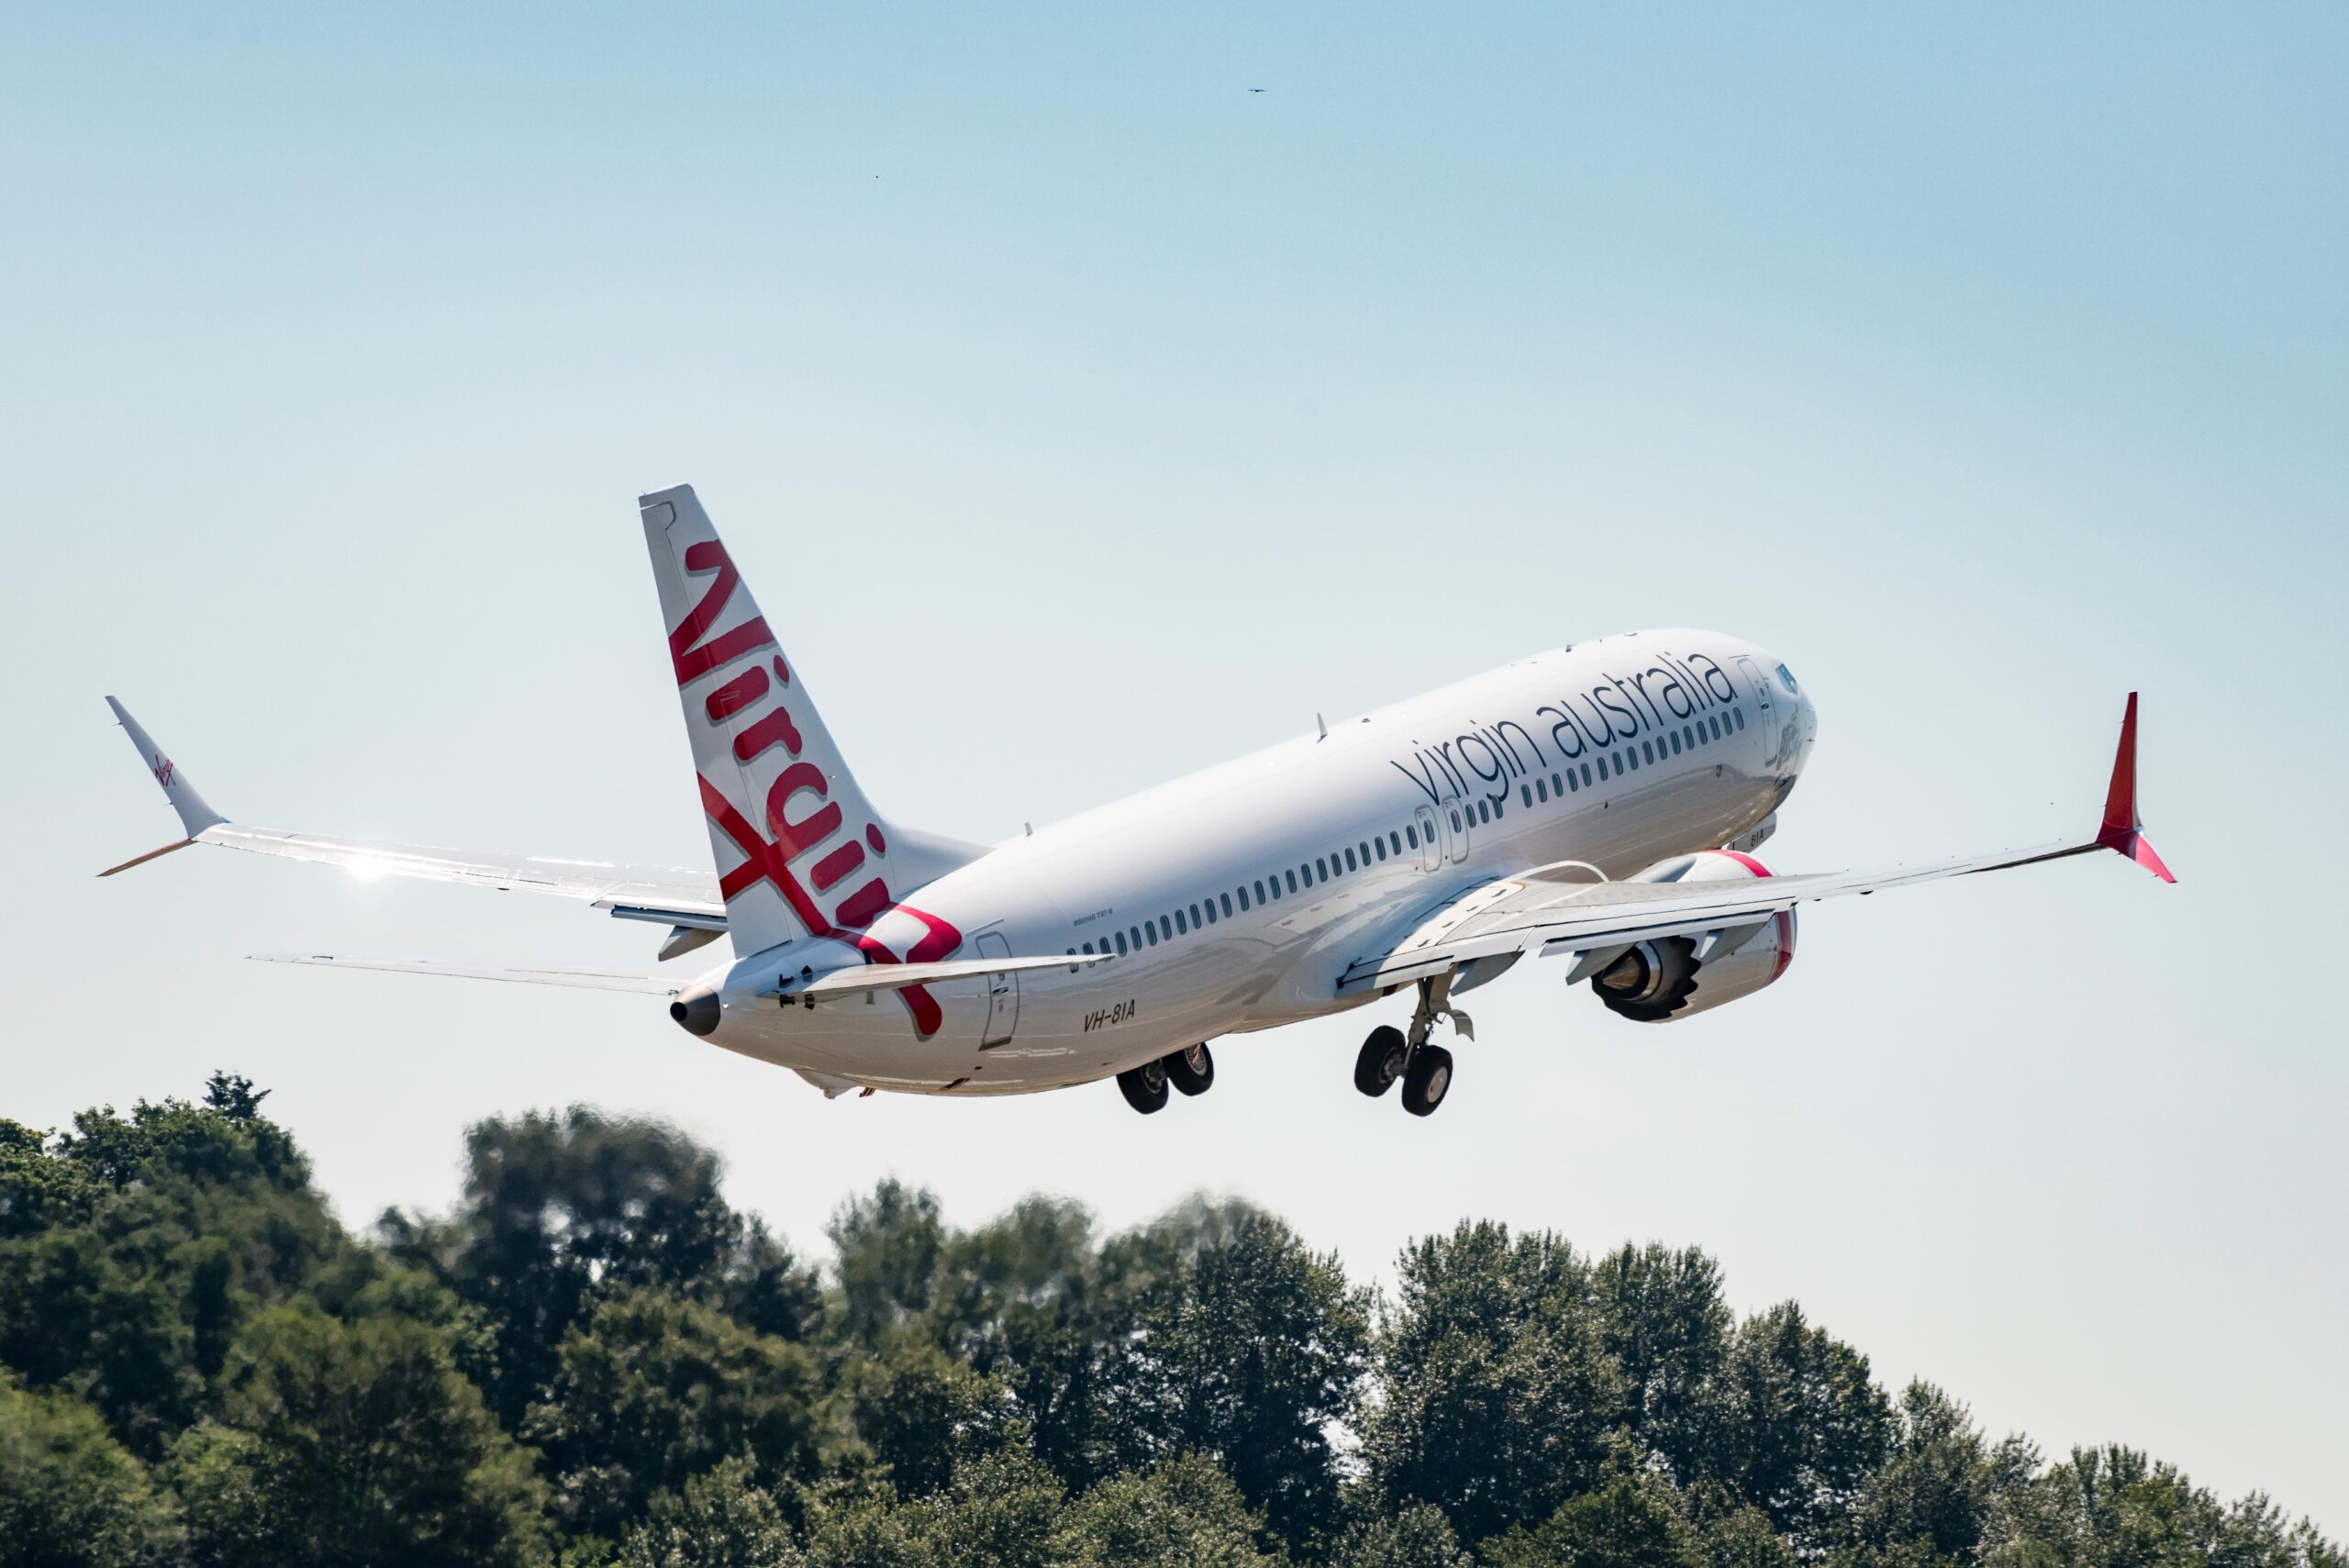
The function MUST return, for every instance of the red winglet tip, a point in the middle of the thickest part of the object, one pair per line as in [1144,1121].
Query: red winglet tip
[2121,796]
[2120,830]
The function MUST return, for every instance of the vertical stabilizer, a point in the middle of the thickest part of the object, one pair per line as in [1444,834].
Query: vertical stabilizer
[800,850]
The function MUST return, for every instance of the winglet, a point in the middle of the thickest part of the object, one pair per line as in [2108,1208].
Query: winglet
[2120,829]
[195,814]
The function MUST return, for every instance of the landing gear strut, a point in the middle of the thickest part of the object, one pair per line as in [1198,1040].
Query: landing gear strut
[1425,1070]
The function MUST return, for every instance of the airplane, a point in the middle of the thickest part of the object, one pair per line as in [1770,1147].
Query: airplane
[1599,805]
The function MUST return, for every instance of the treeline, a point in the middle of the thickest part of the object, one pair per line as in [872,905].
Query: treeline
[594,1359]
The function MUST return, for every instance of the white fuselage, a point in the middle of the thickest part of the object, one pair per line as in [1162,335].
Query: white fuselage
[1235,897]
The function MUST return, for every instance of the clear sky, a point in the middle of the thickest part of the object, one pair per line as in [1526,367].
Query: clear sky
[1083,416]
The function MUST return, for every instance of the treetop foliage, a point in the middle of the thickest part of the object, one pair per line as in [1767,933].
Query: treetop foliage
[594,1359]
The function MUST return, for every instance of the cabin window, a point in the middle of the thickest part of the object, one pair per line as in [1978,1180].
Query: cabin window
[1602,767]
[1380,845]
[1525,794]
[1320,866]
[1260,893]
[1181,928]
[1738,714]
[1121,944]
[1350,862]
[1570,781]
[1227,903]
[1088,947]
[1365,855]
[1675,745]
[1292,882]
[1411,834]
[1456,823]
[1195,916]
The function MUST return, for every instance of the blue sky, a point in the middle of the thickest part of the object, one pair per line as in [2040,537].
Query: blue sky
[1083,416]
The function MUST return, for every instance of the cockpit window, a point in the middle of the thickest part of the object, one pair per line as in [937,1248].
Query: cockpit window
[1787,679]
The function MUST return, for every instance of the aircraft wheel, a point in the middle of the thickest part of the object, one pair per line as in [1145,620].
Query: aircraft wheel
[1144,1086]
[1428,1080]
[1381,1061]
[1191,1071]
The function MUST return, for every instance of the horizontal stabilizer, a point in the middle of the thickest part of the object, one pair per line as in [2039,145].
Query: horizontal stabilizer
[894,976]
[583,979]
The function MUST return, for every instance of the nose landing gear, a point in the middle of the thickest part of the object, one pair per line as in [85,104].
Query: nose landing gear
[1191,1069]
[1424,1069]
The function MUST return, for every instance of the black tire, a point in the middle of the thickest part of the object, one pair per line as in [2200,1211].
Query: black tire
[1428,1080]
[1144,1086]
[1192,1071]
[1381,1060]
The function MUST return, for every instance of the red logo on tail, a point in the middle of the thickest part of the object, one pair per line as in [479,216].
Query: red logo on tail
[753,702]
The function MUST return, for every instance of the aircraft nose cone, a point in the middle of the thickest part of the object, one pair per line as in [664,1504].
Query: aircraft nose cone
[697,1011]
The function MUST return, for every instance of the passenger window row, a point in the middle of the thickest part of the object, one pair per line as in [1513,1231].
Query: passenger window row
[1289,880]
[1573,777]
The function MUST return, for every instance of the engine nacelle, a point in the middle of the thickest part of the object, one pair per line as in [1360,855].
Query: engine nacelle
[1659,981]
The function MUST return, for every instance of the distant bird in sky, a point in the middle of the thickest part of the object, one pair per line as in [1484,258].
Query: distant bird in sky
[1255,89]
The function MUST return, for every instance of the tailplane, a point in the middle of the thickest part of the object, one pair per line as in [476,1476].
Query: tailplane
[801,850]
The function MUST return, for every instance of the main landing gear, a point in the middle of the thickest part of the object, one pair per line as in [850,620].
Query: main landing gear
[1424,1069]
[1191,1071]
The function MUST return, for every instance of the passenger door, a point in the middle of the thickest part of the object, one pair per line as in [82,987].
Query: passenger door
[1003,993]
[1457,820]
[1431,849]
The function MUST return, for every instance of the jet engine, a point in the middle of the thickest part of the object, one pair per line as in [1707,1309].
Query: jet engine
[1663,980]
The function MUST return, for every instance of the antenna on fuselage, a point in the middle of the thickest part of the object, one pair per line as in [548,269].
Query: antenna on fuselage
[1323,725]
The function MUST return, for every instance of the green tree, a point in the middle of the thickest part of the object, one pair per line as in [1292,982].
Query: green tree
[559,1209]
[353,1444]
[1416,1537]
[134,1249]
[72,1495]
[1623,1524]
[923,1412]
[890,1246]
[1663,1320]
[1498,1399]
[2114,1507]
[1937,1490]
[1256,1351]
[724,1519]
[1794,1424]
[1185,1514]
[654,1390]
[1000,1512]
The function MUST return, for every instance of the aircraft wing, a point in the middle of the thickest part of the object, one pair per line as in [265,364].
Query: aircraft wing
[663,894]
[1533,912]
